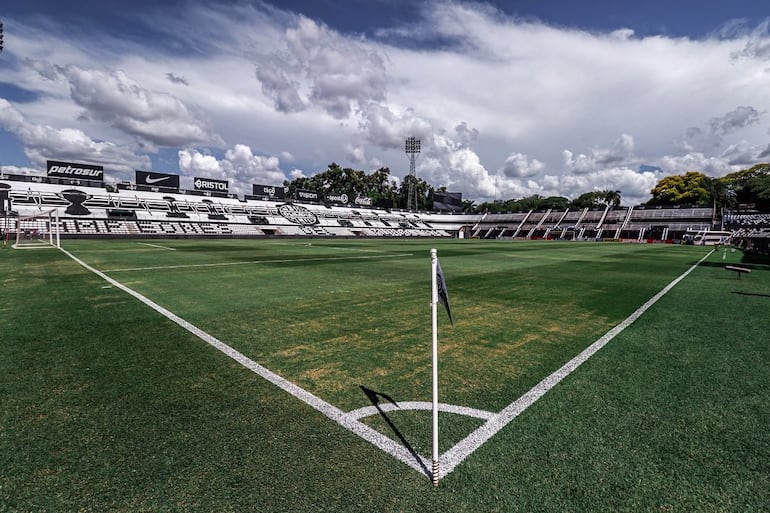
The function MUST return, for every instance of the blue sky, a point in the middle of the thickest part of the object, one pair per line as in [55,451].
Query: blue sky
[509,98]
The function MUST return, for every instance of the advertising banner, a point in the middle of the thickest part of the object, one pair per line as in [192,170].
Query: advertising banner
[268,192]
[210,184]
[306,195]
[337,199]
[75,170]
[157,179]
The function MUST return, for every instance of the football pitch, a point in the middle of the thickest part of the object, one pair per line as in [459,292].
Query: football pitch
[295,375]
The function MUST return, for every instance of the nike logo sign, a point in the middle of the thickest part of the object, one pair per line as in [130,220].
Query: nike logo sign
[150,180]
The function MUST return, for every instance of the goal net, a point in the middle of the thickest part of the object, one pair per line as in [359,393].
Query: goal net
[39,230]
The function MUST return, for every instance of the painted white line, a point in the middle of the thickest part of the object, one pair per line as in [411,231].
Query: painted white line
[454,456]
[377,439]
[156,246]
[368,411]
[349,249]
[252,262]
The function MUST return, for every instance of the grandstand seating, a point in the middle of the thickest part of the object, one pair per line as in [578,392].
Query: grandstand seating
[85,210]
[751,231]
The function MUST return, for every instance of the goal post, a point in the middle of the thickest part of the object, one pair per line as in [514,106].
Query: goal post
[39,230]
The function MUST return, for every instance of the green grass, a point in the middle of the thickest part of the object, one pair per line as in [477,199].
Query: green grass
[106,405]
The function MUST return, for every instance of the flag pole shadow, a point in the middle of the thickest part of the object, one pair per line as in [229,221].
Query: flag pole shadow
[374,398]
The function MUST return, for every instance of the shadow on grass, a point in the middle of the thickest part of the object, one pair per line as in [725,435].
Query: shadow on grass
[748,260]
[749,266]
[750,294]
[762,261]
[374,397]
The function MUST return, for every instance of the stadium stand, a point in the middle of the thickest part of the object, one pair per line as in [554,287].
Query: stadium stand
[89,209]
[751,231]
[93,212]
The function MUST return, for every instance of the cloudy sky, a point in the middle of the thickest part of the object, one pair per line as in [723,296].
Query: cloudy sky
[509,98]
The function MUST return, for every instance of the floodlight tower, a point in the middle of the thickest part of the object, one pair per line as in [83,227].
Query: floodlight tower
[412,148]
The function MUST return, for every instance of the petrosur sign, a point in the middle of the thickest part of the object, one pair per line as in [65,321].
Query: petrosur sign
[74,170]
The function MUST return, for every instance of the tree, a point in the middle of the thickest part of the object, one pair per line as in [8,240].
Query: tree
[423,190]
[611,198]
[691,188]
[469,207]
[554,202]
[354,183]
[588,200]
[748,186]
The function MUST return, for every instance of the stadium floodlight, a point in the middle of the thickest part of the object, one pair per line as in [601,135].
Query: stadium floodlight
[1,36]
[412,149]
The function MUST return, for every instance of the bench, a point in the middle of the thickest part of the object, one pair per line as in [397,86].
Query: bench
[738,270]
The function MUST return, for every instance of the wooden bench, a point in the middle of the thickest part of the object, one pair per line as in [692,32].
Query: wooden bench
[738,270]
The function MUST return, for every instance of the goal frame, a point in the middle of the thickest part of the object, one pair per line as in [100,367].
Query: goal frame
[44,225]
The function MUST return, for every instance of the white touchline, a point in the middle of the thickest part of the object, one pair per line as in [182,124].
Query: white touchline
[347,421]
[454,456]
[156,246]
[463,449]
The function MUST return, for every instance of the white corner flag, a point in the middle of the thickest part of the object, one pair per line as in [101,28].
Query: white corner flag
[442,295]
[438,295]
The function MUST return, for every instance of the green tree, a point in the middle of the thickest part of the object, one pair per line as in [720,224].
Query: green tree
[422,188]
[555,202]
[588,200]
[354,183]
[748,186]
[611,198]
[691,188]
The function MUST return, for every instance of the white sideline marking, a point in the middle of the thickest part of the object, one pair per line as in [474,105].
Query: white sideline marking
[377,439]
[156,246]
[454,456]
[252,262]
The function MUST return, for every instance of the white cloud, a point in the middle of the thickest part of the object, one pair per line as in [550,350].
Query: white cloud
[519,165]
[115,98]
[634,186]
[385,128]
[296,90]
[240,166]
[757,43]
[621,151]
[44,142]
[711,166]
[339,74]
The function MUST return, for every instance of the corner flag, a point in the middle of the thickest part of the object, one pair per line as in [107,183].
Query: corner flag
[438,295]
[443,296]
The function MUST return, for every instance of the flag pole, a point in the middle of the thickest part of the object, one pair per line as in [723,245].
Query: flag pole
[433,303]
